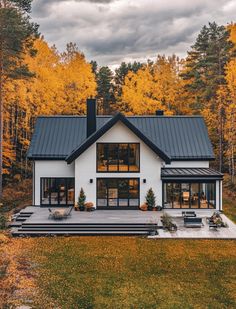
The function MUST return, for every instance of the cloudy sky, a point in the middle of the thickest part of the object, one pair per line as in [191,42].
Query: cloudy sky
[111,31]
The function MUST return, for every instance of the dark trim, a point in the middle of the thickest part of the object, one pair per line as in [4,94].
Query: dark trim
[117,207]
[37,158]
[128,171]
[191,178]
[212,158]
[118,117]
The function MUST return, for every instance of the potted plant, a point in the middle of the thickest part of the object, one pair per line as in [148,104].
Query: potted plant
[153,228]
[143,207]
[81,200]
[76,207]
[150,199]
[89,206]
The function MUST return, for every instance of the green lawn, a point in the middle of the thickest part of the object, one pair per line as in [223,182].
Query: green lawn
[126,272]
[229,207]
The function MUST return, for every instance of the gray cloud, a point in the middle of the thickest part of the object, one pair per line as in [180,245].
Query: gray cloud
[111,31]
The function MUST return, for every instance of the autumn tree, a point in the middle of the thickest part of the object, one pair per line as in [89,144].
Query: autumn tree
[16,39]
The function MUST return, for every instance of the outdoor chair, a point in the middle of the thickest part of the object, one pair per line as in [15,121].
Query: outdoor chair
[188,214]
[50,213]
[193,222]
[68,212]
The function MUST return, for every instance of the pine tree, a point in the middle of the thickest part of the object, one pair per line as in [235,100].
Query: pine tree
[105,89]
[205,64]
[17,34]
[82,199]
[150,199]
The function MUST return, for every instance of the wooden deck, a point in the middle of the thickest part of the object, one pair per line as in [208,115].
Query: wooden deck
[34,221]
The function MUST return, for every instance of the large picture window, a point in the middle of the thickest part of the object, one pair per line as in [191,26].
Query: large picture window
[57,191]
[113,157]
[121,192]
[189,195]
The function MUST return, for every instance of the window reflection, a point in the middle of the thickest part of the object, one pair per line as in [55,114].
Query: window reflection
[189,195]
[114,157]
[122,192]
[57,191]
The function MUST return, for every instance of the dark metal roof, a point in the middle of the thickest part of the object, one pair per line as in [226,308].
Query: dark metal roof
[180,137]
[187,173]
[118,117]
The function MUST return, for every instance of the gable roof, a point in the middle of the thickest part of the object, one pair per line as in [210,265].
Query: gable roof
[179,137]
[109,124]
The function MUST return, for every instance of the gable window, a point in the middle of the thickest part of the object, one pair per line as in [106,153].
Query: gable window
[114,157]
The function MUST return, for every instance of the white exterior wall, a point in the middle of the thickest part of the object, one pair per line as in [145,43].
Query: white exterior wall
[150,166]
[190,164]
[50,168]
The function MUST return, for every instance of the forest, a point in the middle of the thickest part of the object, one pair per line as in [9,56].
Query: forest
[36,79]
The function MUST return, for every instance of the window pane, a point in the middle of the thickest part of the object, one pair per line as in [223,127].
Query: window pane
[70,191]
[133,188]
[134,157]
[194,195]
[102,159]
[185,195]
[123,157]
[123,186]
[176,197]
[101,189]
[45,191]
[54,191]
[211,195]
[168,196]
[61,183]
[203,196]
[113,158]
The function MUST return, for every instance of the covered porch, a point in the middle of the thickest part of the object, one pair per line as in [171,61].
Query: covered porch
[194,188]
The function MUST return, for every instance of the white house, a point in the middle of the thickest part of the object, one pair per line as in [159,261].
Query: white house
[116,159]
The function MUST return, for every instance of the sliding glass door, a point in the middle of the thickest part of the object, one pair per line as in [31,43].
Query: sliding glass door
[117,192]
[57,191]
[189,194]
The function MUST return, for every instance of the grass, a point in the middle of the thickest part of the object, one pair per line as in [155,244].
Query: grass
[229,207]
[115,272]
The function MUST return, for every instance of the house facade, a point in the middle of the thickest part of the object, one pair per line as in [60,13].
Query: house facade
[116,159]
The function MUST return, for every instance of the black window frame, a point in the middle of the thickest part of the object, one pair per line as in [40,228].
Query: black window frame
[107,198]
[118,171]
[66,179]
[190,191]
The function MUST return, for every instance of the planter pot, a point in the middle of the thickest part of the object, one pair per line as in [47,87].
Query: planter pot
[81,208]
[154,209]
[152,232]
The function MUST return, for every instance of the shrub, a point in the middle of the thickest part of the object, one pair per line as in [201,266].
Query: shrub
[150,199]
[167,222]
[82,199]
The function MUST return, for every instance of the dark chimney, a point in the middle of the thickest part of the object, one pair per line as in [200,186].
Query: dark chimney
[91,116]
[159,112]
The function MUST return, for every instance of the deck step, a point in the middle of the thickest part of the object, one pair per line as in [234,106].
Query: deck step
[78,233]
